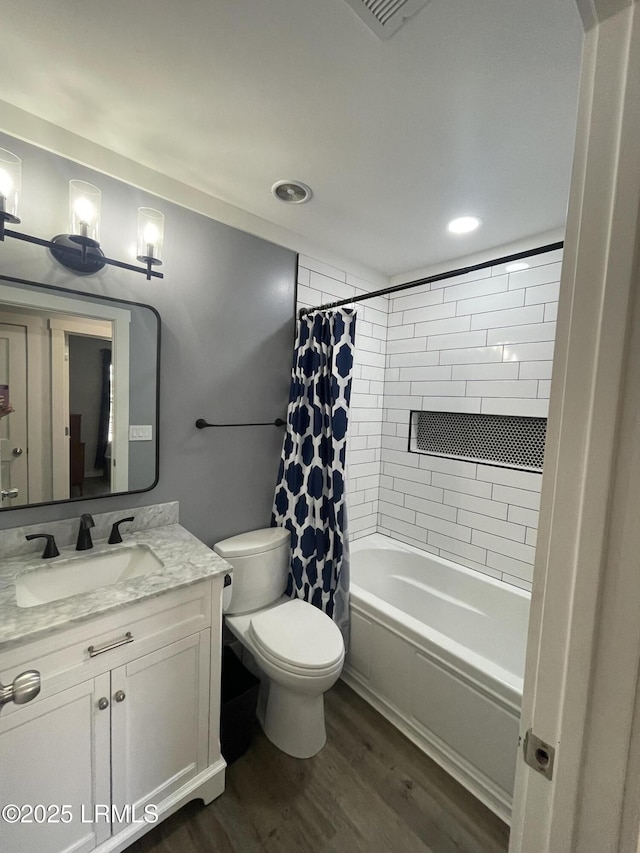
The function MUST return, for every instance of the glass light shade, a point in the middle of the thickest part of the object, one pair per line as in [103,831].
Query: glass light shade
[150,234]
[10,183]
[84,210]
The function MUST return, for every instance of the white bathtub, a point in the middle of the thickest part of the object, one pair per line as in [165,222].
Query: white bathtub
[439,650]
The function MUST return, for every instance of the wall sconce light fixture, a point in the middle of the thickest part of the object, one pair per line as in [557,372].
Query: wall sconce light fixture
[84,230]
[80,249]
[150,236]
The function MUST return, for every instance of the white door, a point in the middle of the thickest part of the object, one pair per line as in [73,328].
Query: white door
[54,752]
[159,699]
[13,427]
[118,332]
[60,414]
[581,681]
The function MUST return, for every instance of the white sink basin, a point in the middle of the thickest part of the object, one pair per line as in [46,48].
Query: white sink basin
[84,573]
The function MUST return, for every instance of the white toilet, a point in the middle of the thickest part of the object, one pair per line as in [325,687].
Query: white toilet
[298,649]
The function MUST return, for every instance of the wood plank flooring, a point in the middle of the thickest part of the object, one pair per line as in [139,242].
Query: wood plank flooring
[370,789]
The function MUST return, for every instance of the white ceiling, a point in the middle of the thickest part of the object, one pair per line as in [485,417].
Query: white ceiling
[469,108]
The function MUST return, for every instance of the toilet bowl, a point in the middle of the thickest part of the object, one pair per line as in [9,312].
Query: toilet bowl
[297,649]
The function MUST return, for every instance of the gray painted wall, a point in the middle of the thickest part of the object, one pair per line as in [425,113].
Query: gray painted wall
[142,381]
[227,309]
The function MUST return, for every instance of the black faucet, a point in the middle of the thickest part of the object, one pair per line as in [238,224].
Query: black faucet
[84,533]
[50,549]
[115,536]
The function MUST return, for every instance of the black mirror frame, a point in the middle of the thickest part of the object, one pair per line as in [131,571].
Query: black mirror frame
[56,288]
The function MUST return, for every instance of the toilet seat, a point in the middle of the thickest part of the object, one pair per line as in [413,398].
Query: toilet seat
[298,638]
[303,672]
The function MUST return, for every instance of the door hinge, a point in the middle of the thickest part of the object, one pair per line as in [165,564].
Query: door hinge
[538,754]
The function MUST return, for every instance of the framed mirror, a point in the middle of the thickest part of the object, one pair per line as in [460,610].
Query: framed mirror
[80,373]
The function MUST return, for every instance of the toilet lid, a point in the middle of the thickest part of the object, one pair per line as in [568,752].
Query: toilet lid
[298,634]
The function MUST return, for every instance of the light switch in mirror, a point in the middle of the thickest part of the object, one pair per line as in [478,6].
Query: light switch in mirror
[82,372]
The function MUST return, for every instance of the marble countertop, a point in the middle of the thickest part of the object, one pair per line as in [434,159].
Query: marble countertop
[186,560]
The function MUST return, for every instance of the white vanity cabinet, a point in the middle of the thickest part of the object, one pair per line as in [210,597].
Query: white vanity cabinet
[55,753]
[133,724]
[159,723]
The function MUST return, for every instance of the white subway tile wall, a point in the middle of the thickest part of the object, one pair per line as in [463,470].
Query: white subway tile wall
[481,342]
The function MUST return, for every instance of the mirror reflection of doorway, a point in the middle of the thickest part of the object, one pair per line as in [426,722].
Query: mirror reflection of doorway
[76,383]
[90,415]
[35,438]
[13,428]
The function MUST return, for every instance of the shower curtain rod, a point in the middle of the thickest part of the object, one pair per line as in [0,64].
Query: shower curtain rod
[439,277]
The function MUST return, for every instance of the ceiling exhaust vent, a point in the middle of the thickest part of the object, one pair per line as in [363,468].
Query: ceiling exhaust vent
[291,192]
[384,17]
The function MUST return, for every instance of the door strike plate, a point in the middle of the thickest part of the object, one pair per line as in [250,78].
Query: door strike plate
[538,754]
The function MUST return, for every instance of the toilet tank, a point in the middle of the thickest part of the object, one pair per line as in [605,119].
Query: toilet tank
[260,561]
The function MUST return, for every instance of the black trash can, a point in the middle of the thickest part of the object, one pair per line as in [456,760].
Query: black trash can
[239,701]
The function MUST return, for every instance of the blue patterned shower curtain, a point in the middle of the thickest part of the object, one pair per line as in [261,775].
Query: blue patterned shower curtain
[310,495]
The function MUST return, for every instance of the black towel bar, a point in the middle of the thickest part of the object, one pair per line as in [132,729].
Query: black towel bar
[202,424]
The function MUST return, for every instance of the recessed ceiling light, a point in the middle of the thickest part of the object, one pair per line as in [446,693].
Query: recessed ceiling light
[464,224]
[518,265]
[291,192]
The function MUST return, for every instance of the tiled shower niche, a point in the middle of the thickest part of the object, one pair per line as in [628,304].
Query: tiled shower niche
[510,441]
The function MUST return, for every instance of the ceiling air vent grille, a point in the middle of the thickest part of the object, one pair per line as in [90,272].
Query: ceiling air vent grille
[384,17]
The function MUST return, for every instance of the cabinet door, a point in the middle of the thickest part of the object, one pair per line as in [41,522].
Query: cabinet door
[54,753]
[160,705]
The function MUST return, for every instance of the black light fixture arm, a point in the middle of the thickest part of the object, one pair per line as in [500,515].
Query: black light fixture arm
[4,218]
[202,424]
[73,252]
